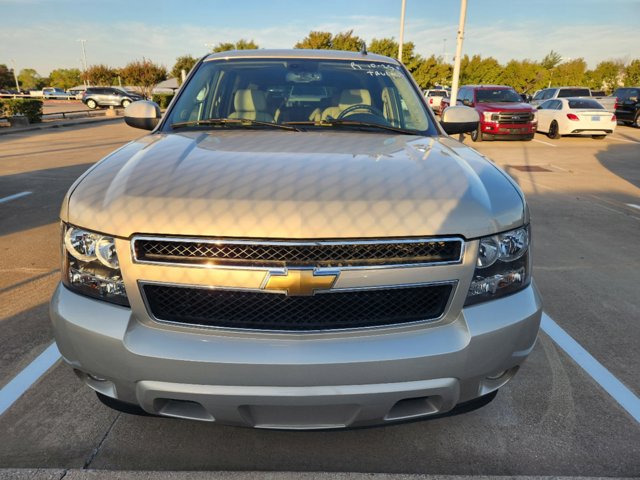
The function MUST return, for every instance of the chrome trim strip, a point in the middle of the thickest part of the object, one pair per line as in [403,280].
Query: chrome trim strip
[287,243]
[453,283]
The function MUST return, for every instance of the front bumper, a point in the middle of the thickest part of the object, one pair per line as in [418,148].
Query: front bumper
[301,381]
[507,131]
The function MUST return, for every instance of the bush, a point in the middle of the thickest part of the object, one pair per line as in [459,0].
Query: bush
[162,99]
[30,108]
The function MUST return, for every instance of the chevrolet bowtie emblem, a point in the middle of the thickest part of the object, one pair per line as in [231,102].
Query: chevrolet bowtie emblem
[300,282]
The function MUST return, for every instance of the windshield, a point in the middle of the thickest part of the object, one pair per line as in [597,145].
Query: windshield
[305,92]
[501,95]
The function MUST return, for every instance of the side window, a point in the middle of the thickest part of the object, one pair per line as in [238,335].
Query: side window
[548,93]
[545,105]
[557,105]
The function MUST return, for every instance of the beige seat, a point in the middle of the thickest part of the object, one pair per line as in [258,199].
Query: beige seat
[348,98]
[252,105]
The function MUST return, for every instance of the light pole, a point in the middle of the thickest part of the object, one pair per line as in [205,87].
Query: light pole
[404,7]
[84,60]
[456,63]
[15,75]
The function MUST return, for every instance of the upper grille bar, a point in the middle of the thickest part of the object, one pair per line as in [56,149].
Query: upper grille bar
[515,117]
[281,254]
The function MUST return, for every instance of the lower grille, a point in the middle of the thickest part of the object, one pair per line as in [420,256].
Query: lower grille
[269,311]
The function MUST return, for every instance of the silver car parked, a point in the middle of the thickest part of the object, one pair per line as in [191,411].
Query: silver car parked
[297,244]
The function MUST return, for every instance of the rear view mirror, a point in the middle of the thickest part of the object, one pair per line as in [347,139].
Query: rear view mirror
[142,114]
[459,119]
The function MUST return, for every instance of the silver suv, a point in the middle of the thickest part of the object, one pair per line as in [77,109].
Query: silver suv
[297,244]
[94,97]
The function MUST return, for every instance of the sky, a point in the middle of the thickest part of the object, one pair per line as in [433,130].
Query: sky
[45,34]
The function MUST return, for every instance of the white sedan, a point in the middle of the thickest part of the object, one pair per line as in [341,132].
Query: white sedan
[575,116]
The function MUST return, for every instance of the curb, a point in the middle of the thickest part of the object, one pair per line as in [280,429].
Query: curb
[57,124]
[73,474]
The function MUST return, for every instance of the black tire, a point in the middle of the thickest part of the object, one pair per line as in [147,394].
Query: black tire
[554,131]
[636,121]
[125,103]
[92,104]
[598,137]
[476,135]
[123,407]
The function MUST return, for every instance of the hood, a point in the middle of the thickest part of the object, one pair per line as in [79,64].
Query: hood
[504,106]
[278,184]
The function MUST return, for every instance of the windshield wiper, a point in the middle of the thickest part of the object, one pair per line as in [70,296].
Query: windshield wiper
[236,122]
[352,123]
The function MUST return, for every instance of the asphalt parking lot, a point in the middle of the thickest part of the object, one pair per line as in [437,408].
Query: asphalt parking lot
[552,419]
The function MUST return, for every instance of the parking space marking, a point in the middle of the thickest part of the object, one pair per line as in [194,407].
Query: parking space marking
[633,205]
[15,196]
[546,143]
[622,140]
[614,387]
[13,390]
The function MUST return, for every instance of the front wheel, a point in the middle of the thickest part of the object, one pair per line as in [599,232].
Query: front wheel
[126,102]
[598,137]
[92,104]
[554,130]
[476,135]
[636,121]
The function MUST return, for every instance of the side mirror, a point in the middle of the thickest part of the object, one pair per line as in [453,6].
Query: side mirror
[459,120]
[466,102]
[142,114]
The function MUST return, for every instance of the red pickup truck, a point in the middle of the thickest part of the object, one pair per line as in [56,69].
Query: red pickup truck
[502,113]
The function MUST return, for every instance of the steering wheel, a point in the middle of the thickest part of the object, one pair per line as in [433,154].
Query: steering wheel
[360,106]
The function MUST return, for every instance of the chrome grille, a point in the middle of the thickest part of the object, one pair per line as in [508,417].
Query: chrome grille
[515,117]
[269,311]
[270,254]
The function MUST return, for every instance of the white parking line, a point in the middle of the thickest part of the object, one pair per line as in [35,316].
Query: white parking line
[614,387]
[546,143]
[13,390]
[622,140]
[13,197]
[633,205]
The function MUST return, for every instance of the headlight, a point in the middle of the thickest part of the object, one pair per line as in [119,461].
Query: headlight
[502,266]
[90,265]
[491,116]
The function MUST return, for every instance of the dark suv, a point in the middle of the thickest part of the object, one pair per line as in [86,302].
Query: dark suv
[628,105]
[95,97]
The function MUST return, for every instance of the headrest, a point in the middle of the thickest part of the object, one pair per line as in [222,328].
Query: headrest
[354,97]
[249,101]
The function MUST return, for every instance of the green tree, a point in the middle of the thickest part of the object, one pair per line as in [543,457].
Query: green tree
[606,76]
[6,77]
[432,71]
[100,75]
[570,73]
[29,79]
[478,70]
[523,75]
[326,41]
[144,74]
[239,45]
[64,77]
[389,48]
[551,60]
[186,63]
[316,40]
[347,41]
[632,74]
